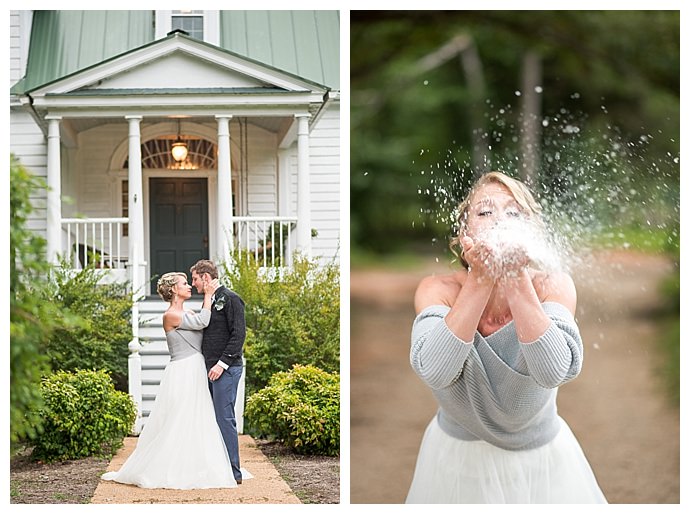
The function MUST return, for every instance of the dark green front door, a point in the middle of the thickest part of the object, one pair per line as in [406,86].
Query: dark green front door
[179,225]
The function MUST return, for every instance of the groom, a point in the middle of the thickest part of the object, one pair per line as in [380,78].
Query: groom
[222,349]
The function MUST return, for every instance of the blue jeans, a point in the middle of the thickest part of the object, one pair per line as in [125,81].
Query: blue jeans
[224,394]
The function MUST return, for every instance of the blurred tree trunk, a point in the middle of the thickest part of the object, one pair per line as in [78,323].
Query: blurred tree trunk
[472,66]
[464,46]
[530,142]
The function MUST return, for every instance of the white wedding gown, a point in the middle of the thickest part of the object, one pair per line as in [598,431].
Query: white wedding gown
[181,446]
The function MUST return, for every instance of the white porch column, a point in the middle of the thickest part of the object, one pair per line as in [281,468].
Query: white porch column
[53,202]
[224,231]
[136,262]
[134,371]
[136,208]
[303,189]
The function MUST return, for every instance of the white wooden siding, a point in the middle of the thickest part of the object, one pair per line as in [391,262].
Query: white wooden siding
[262,194]
[15,49]
[92,160]
[324,163]
[28,144]
[20,32]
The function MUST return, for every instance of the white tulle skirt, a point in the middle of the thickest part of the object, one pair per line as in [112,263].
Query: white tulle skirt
[450,470]
[181,446]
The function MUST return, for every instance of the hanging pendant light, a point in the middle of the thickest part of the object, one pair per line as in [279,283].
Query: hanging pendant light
[179,147]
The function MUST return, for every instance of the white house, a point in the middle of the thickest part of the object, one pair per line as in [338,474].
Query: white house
[101,102]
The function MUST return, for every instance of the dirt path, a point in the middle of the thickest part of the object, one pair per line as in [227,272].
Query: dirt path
[266,487]
[616,407]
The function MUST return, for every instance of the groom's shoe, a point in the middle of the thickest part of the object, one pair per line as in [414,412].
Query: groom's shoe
[239,481]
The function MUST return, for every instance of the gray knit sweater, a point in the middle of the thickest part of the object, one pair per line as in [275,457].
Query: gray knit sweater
[496,388]
[185,340]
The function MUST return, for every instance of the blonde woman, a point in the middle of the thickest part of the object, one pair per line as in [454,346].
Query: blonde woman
[181,446]
[494,341]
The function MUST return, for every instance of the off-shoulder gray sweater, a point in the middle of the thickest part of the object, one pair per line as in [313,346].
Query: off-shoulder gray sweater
[185,340]
[496,388]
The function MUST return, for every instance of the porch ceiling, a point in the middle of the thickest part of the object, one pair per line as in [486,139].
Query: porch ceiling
[272,124]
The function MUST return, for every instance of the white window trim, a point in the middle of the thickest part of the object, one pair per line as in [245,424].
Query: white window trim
[163,23]
[211,25]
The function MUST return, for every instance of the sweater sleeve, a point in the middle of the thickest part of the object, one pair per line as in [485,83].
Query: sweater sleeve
[194,321]
[556,357]
[437,355]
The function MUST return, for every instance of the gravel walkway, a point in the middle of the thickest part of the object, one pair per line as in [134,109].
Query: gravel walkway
[266,487]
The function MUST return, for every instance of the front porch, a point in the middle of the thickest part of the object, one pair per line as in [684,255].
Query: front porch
[173,213]
[99,243]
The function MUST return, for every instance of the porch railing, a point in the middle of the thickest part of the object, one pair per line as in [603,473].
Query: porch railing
[94,242]
[271,240]
[97,242]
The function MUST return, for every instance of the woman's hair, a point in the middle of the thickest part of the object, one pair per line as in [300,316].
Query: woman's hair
[205,266]
[523,196]
[166,283]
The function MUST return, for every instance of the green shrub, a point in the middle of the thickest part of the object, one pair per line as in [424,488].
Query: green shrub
[83,415]
[301,408]
[294,320]
[32,319]
[100,338]
[57,322]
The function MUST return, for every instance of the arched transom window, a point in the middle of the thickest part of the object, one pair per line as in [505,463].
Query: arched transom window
[157,154]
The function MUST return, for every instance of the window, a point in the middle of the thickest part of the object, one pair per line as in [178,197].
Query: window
[203,25]
[192,22]
[157,154]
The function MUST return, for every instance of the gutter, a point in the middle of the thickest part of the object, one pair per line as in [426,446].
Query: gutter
[27,102]
[328,98]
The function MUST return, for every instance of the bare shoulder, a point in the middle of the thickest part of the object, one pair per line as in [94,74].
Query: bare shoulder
[438,290]
[557,286]
[171,320]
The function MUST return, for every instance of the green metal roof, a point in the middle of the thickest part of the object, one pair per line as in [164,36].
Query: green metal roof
[303,43]
[64,42]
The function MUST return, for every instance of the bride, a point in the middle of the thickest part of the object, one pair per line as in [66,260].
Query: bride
[181,446]
[494,342]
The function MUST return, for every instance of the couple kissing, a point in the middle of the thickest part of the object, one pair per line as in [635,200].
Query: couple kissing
[190,439]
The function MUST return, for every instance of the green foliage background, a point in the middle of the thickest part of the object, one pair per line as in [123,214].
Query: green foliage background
[100,339]
[294,320]
[614,74]
[58,320]
[609,147]
[32,319]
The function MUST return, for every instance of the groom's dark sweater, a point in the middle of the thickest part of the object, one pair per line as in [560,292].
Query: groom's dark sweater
[224,336]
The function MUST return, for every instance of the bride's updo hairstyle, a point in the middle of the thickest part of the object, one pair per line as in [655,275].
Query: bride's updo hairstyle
[166,284]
